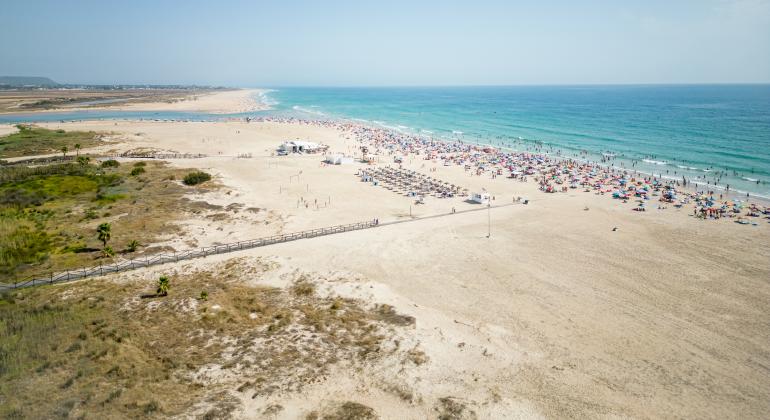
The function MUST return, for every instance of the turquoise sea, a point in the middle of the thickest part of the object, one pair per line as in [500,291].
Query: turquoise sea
[708,133]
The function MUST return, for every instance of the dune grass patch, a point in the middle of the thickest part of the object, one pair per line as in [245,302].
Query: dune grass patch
[49,214]
[32,140]
[195,178]
[99,348]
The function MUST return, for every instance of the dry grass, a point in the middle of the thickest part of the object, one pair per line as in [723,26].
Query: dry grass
[97,348]
[451,408]
[348,410]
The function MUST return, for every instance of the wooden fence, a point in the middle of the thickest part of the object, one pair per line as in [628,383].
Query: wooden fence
[148,261]
[157,259]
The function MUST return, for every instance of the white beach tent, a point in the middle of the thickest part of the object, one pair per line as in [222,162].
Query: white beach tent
[480,198]
[338,159]
[300,146]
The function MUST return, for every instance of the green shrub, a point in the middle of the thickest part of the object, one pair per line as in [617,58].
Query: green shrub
[108,251]
[21,244]
[21,198]
[132,246]
[140,164]
[90,215]
[138,170]
[112,163]
[195,178]
[163,286]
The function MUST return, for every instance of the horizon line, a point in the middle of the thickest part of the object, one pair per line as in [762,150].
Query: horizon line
[269,86]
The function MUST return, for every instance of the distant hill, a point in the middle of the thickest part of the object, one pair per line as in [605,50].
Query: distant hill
[21,81]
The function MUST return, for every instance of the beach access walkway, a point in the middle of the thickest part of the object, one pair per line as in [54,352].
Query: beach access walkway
[164,258]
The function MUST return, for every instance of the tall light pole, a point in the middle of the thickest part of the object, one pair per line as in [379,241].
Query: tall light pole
[489,220]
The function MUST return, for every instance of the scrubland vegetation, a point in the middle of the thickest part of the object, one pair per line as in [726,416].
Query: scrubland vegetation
[49,215]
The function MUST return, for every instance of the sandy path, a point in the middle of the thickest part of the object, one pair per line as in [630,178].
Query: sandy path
[6,129]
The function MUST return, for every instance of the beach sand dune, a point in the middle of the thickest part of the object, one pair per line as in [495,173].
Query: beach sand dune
[555,315]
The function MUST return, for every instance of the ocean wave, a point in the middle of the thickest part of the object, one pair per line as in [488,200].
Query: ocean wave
[266,99]
[309,111]
[456,132]
[427,131]
[655,162]
[749,179]
[686,167]
[403,127]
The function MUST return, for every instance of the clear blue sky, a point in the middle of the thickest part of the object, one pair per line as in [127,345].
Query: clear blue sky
[292,42]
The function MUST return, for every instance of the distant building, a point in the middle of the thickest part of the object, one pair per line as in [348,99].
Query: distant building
[300,146]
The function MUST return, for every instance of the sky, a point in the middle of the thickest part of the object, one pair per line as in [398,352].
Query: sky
[387,43]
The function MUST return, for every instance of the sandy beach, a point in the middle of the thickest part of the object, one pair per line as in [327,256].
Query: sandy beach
[225,102]
[210,101]
[576,306]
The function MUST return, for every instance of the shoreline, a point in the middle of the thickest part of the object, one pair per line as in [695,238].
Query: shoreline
[743,178]
[698,188]
[248,94]
[376,125]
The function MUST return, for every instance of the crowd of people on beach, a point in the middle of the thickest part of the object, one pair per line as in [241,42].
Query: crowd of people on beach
[553,174]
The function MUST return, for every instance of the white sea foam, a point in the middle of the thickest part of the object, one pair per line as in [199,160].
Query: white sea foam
[456,132]
[427,131]
[749,179]
[309,111]
[655,162]
[266,99]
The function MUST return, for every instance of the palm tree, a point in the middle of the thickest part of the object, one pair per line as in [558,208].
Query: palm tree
[64,151]
[163,286]
[104,233]
[77,149]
